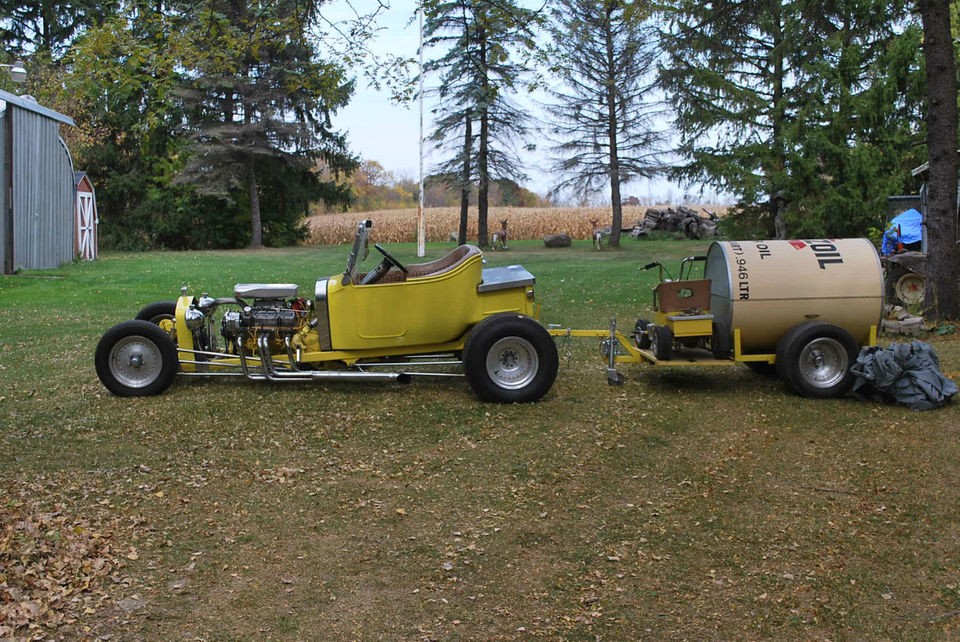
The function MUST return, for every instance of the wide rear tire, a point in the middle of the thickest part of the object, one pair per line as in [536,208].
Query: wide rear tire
[815,359]
[510,358]
[136,359]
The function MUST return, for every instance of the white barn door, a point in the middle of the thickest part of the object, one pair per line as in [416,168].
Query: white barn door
[86,227]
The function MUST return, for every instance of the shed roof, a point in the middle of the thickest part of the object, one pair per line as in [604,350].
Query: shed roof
[28,103]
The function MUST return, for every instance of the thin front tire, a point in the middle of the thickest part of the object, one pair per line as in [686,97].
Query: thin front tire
[136,359]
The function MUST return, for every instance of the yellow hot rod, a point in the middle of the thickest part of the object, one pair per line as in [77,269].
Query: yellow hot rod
[387,324]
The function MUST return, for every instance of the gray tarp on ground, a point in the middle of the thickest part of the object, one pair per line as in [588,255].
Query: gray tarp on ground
[907,373]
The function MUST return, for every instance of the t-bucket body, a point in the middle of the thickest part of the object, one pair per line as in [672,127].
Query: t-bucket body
[377,325]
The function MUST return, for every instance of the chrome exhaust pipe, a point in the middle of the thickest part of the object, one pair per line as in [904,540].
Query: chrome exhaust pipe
[272,374]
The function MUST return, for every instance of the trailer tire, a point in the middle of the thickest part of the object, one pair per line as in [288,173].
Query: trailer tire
[662,343]
[510,358]
[815,359]
[640,335]
[136,359]
[720,343]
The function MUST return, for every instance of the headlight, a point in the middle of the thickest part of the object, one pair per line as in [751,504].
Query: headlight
[193,318]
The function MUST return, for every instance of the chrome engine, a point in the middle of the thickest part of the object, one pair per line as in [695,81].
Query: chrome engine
[262,316]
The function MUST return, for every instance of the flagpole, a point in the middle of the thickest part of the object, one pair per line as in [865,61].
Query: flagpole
[421,219]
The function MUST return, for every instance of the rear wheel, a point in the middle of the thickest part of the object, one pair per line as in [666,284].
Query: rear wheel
[662,342]
[815,359]
[136,359]
[510,359]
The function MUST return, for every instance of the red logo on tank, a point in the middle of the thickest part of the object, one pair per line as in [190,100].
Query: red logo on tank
[797,244]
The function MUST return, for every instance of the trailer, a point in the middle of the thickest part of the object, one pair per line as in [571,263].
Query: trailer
[799,308]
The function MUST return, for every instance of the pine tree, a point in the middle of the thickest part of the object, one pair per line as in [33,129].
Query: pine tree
[852,134]
[803,110]
[259,101]
[48,27]
[603,112]
[477,122]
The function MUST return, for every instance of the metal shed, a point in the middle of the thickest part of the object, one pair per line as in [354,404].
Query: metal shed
[36,186]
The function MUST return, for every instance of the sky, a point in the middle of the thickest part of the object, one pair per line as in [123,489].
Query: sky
[377,128]
[380,130]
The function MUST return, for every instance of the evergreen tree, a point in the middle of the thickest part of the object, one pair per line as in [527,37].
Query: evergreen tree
[476,78]
[48,27]
[855,136]
[805,111]
[258,101]
[603,114]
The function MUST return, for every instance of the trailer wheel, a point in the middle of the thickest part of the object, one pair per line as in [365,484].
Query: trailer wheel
[136,359]
[510,358]
[662,342]
[720,343]
[815,359]
[640,335]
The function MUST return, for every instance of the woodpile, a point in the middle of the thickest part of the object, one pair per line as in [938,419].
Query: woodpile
[677,220]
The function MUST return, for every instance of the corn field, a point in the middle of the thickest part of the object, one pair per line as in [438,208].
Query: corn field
[399,226]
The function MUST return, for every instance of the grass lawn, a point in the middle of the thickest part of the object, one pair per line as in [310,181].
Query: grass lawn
[691,504]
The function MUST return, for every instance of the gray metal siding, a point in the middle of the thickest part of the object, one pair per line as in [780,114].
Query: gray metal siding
[3,189]
[43,193]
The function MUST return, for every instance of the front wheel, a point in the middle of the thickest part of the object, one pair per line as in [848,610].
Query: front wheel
[815,359]
[136,359]
[157,312]
[510,359]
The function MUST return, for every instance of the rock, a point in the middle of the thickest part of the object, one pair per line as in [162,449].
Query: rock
[557,240]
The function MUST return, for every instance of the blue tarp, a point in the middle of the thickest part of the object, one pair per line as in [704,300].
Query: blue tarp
[906,227]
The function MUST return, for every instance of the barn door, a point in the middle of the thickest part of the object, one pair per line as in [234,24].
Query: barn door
[86,227]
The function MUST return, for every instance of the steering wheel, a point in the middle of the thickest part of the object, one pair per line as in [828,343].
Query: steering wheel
[378,272]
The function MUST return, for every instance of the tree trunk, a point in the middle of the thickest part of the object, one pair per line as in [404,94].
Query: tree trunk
[465,178]
[256,240]
[777,199]
[942,296]
[483,186]
[483,176]
[612,125]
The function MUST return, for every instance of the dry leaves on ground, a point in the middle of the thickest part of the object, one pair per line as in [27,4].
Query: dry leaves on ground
[52,569]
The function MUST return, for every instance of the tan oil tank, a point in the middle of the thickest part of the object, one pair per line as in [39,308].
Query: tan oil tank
[764,288]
